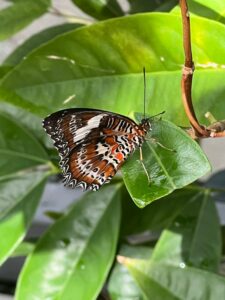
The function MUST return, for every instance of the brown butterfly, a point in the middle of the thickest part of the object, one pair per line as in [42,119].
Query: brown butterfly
[93,144]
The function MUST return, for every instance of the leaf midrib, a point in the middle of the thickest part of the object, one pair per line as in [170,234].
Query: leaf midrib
[168,291]
[200,215]
[112,76]
[170,180]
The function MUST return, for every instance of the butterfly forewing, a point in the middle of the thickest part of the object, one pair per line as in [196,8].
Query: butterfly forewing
[92,144]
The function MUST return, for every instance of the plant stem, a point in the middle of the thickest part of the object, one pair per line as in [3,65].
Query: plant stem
[216,129]
[188,71]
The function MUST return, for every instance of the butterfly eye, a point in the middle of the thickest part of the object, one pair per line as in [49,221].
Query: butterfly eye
[120,148]
[95,170]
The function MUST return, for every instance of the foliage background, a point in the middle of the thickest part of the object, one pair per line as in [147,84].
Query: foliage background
[70,253]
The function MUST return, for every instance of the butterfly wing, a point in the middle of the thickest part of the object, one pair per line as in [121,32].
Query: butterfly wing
[92,144]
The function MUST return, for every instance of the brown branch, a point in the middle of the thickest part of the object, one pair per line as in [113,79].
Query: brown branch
[187,74]
[217,128]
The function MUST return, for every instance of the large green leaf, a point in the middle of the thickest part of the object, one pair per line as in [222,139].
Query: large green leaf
[121,285]
[212,9]
[36,41]
[100,9]
[19,198]
[185,242]
[73,258]
[159,281]
[21,183]
[18,148]
[168,170]
[19,15]
[101,66]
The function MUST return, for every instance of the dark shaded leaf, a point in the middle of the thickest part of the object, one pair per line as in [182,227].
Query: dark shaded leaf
[194,237]
[100,9]
[154,5]
[156,216]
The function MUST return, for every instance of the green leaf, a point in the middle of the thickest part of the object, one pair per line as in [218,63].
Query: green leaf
[75,255]
[21,184]
[19,15]
[121,285]
[36,41]
[154,5]
[168,170]
[18,148]
[99,66]
[4,70]
[19,198]
[217,183]
[159,281]
[23,249]
[100,9]
[185,242]
[156,216]
[20,110]
[211,9]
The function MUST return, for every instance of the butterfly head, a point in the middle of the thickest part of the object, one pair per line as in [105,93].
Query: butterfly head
[146,125]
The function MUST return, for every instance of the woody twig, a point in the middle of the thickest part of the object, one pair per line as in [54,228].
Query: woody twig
[197,131]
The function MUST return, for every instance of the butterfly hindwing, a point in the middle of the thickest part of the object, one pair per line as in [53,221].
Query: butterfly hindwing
[92,144]
[95,163]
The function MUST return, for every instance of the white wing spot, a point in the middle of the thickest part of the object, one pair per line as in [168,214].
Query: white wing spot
[82,132]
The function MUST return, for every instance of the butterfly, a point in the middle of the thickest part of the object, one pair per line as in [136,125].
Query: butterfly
[93,144]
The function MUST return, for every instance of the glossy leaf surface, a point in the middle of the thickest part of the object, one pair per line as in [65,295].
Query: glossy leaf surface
[19,15]
[194,237]
[36,41]
[74,256]
[159,281]
[168,170]
[92,67]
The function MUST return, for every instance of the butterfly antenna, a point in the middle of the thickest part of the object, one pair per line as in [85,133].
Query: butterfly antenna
[144,90]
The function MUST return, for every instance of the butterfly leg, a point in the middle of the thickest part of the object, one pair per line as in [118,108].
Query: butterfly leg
[142,162]
[153,140]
